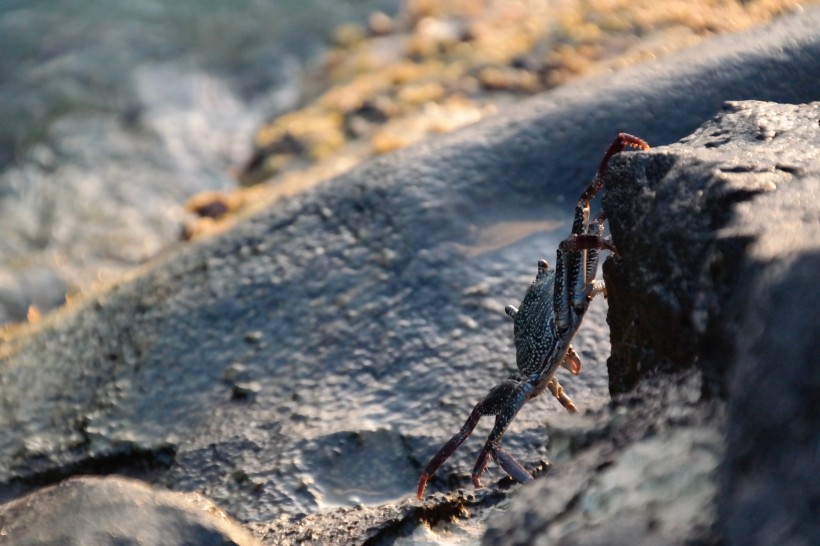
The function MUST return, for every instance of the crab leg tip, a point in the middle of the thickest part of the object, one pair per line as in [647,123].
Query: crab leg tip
[512,467]
[632,141]
[422,486]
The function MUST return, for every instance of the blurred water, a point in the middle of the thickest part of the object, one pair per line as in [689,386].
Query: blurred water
[114,112]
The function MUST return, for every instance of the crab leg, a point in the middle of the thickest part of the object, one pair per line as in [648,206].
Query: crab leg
[570,274]
[557,391]
[588,261]
[505,413]
[573,267]
[560,295]
[448,449]
[621,143]
[510,465]
[492,404]
[596,227]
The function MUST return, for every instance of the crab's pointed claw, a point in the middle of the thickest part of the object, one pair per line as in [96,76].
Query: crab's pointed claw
[572,361]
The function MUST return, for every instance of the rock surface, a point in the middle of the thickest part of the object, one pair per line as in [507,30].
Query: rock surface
[699,221]
[770,480]
[317,354]
[116,511]
[718,238]
[735,287]
[639,471]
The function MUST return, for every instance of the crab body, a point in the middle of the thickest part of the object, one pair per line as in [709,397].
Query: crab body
[539,347]
[543,327]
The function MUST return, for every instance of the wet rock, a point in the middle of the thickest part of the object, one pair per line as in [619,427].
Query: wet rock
[117,511]
[381,297]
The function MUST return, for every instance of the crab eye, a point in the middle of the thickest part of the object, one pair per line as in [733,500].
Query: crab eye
[543,264]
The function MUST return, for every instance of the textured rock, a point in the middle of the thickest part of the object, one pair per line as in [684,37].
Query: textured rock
[719,239]
[317,354]
[696,223]
[640,471]
[116,511]
[771,478]
[384,524]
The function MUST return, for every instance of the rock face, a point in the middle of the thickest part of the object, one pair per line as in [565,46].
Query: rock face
[770,482]
[116,511]
[719,235]
[718,252]
[699,221]
[639,471]
[316,355]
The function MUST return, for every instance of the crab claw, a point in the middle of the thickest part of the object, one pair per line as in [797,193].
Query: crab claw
[572,361]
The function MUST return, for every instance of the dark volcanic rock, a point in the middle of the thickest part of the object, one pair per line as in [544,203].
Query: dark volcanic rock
[378,524]
[640,471]
[771,478]
[116,512]
[719,248]
[696,223]
[317,354]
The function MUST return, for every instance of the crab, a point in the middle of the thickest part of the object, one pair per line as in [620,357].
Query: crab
[544,325]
